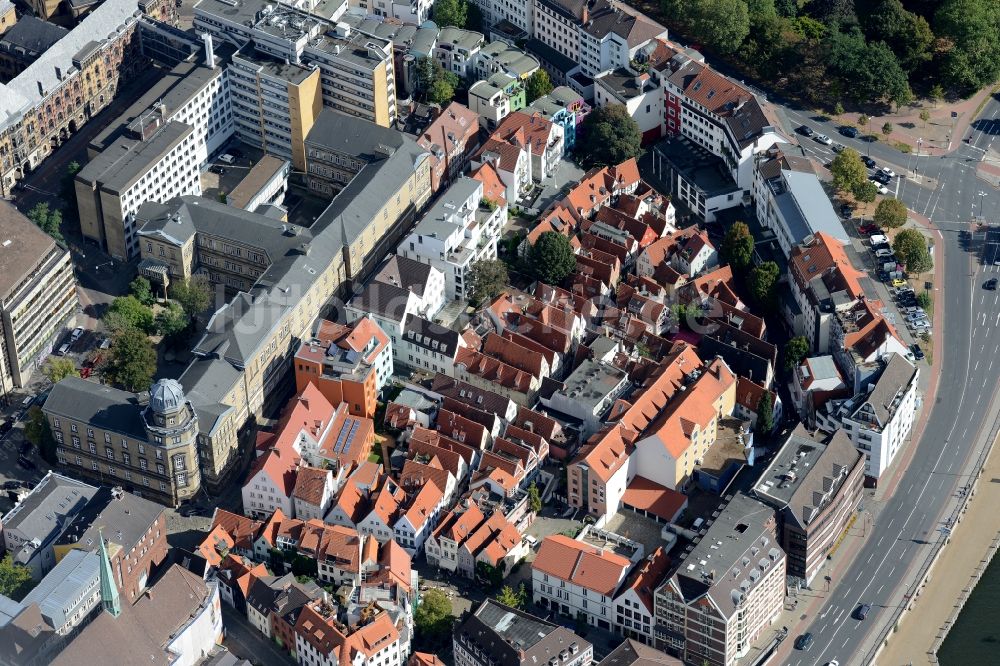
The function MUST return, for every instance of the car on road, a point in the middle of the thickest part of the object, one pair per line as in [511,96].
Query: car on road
[847,130]
[898,282]
[887,171]
[868,162]
[838,148]
[991,284]
[804,642]
[882,177]
[882,189]
[861,612]
[918,353]
[824,139]
[834,662]
[76,334]
[804,130]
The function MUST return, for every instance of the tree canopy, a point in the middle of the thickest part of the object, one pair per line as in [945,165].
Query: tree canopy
[534,498]
[762,281]
[436,84]
[486,279]
[38,432]
[508,596]
[890,213]
[131,360]
[765,414]
[447,13]
[552,258]
[142,290]
[193,296]
[911,248]
[171,321]
[15,579]
[128,312]
[610,136]
[537,85]
[796,349]
[848,170]
[737,247]
[58,368]
[433,618]
[865,191]
[47,220]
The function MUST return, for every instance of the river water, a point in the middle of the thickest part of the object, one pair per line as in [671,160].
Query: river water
[975,638]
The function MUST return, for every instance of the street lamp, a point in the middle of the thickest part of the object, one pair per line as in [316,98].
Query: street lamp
[981,195]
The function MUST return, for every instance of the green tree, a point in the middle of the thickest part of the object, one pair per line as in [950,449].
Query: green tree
[865,191]
[486,279]
[737,247]
[610,136]
[907,34]
[924,299]
[848,170]
[762,282]
[192,295]
[38,432]
[552,258]
[869,72]
[935,95]
[171,321]
[433,619]
[142,290]
[970,36]
[887,129]
[128,312]
[911,247]
[537,85]
[925,115]
[863,121]
[534,498]
[890,213]
[47,220]
[441,92]
[838,109]
[491,575]
[720,24]
[450,13]
[15,580]
[57,369]
[131,360]
[765,414]
[512,598]
[796,349]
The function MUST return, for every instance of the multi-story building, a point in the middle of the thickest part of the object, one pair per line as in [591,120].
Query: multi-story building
[24,42]
[725,591]
[499,56]
[156,163]
[879,418]
[451,140]
[498,634]
[635,611]
[109,436]
[518,14]
[565,107]
[323,639]
[357,75]
[459,230]
[495,98]
[578,577]
[347,363]
[640,94]
[8,15]
[69,83]
[815,485]
[32,527]
[407,11]
[457,50]
[38,299]
[542,139]
[274,103]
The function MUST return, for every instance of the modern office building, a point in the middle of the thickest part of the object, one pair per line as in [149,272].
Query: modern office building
[113,437]
[38,299]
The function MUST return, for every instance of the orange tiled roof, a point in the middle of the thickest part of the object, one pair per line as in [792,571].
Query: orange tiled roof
[242,530]
[589,567]
[427,498]
[493,187]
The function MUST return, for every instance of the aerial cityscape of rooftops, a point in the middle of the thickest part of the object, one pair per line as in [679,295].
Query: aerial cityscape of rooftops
[498,332]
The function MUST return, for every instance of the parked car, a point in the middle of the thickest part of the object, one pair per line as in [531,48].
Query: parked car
[869,228]
[847,130]
[869,162]
[218,170]
[882,177]
[846,210]
[804,130]
[76,334]
[11,485]
[887,171]
[991,284]
[27,402]
[878,239]
[918,353]
[804,642]
[105,343]
[883,253]
[824,139]
[898,282]
[227,158]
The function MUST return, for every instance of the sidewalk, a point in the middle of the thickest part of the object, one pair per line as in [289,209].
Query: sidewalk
[924,624]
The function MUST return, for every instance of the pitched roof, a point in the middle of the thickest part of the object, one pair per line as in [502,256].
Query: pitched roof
[493,187]
[585,565]
[310,482]
[242,530]
[633,653]
[649,496]
[427,498]
[279,467]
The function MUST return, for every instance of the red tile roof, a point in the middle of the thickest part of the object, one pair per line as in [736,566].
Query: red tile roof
[588,566]
[658,500]
[310,483]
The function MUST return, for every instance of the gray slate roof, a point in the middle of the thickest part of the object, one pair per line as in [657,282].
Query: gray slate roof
[49,507]
[512,637]
[123,517]
[33,34]
[404,272]
[891,384]
[127,159]
[98,404]
[807,209]
[76,576]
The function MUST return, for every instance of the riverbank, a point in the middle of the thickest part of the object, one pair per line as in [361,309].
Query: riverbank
[954,576]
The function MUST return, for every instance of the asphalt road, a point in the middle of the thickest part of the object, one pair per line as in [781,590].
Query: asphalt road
[908,523]
[247,643]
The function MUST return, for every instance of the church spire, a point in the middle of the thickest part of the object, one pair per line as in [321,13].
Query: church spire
[109,591]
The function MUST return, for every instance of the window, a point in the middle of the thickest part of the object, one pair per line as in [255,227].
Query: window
[109,452]
[72,427]
[90,433]
[142,464]
[55,422]
[93,447]
[142,449]
[182,480]
[160,469]
[76,441]
[159,454]
[107,438]
[145,481]
[179,462]
[125,444]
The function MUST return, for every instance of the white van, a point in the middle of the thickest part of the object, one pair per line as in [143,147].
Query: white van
[878,239]
[227,158]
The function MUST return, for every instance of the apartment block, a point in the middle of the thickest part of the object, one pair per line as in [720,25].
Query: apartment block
[24,42]
[815,484]
[415,12]
[451,139]
[38,299]
[109,437]
[496,97]
[727,590]
[459,230]
[357,75]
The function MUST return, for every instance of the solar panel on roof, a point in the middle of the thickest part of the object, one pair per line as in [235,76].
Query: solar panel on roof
[340,439]
[350,436]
